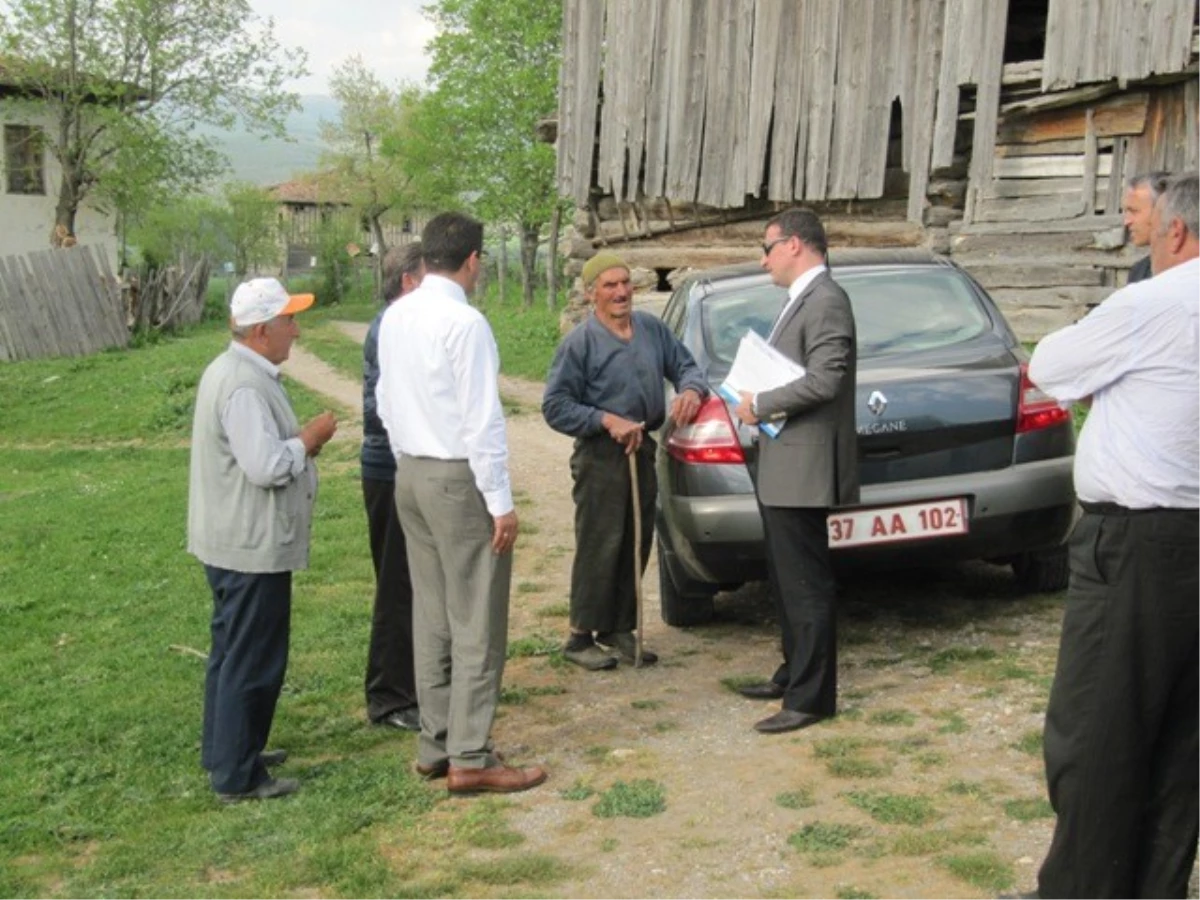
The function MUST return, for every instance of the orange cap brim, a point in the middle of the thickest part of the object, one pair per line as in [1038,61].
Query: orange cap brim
[296,303]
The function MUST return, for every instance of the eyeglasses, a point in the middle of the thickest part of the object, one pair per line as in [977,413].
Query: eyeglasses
[770,245]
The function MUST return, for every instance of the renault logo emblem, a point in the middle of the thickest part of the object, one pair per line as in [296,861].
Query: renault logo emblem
[877,403]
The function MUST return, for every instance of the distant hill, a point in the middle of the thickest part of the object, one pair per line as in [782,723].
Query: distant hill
[272,161]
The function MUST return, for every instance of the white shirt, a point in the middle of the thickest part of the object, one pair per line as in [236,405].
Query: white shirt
[267,458]
[438,394]
[1136,355]
[798,287]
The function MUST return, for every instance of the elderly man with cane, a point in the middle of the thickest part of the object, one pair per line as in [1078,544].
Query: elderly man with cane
[605,389]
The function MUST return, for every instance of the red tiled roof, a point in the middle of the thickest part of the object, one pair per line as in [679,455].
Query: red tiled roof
[307,190]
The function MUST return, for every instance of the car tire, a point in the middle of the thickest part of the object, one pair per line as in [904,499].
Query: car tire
[1042,571]
[679,609]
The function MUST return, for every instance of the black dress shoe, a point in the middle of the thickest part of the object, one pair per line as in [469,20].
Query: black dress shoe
[273,757]
[762,690]
[268,790]
[786,720]
[407,719]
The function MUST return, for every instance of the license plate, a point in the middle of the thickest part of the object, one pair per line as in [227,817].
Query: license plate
[885,525]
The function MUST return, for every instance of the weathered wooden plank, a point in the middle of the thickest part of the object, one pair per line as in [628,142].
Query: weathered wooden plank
[742,52]
[1088,192]
[884,76]
[617,77]
[1124,40]
[1047,166]
[12,330]
[1069,147]
[1024,188]
[768,22]
[928,52]
[715,152]
[662,87]
[1017,272]
[637,101]
[822,47]
[583,41]
[791,104]
[1039,209]
[851,96]
[687,59]
[1052,296]
[987,99]
[1122,115]
[105,274]
[1093,225]
[1116,177]
[945,126]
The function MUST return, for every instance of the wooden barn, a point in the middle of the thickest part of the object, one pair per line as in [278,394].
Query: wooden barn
[999,132]
[305,204]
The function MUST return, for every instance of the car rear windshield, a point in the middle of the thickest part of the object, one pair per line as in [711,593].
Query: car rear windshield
[895,311]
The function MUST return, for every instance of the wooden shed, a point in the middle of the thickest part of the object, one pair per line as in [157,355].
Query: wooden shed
[997,131]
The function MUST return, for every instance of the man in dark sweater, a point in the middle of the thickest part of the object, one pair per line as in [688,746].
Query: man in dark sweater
[1137,203]
[605,389]
[390,682]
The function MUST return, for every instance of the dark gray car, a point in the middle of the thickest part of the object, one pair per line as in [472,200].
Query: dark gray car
[960,456]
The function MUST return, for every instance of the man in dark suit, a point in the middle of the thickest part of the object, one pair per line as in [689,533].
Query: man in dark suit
[811,466]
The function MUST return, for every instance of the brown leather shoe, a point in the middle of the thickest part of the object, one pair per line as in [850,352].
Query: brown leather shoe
[494,779]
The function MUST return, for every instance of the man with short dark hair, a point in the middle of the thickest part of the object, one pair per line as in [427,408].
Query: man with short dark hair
[1137,205]
[1121,746]
[605,389]
[250,499]
[810,467]
[390,683]
[439,399]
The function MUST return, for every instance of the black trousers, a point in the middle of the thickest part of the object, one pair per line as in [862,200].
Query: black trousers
[603,597]
[251,621]
[800,573]
[390,681]
[1121,728]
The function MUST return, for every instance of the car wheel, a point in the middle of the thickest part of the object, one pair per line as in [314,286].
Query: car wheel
[1042,571]
[680,609]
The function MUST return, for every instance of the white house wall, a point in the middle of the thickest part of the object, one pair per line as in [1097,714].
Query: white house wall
[26,220]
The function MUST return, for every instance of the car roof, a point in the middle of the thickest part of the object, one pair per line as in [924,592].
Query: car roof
[839,258]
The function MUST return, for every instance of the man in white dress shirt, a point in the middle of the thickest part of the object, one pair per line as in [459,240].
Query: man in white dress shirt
[438,398]
[1121,728]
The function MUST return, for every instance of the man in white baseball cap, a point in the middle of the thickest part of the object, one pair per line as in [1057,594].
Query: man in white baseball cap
[250,502]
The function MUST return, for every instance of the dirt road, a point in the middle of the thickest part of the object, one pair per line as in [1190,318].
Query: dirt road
[929,783]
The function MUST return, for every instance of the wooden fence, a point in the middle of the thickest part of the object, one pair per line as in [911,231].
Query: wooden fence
[59,303]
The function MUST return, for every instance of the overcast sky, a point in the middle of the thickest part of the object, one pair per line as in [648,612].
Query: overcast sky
[390,35]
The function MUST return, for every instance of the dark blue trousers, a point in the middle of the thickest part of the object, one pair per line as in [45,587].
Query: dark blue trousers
[250,626]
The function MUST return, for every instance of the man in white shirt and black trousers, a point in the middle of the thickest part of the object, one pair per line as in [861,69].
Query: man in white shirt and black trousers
[1121,727]
[439,399]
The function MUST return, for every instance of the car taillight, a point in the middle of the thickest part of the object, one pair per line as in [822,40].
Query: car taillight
[1036,409]
[710,438]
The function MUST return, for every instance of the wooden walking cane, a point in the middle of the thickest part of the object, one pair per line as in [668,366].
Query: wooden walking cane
[637,552]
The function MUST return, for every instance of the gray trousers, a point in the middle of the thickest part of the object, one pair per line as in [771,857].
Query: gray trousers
[460,608]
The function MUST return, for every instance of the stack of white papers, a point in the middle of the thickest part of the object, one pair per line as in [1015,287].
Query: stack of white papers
[759,367]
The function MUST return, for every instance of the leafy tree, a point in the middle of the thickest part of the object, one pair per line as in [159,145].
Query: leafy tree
[125,81]
[251,227]
[494,74]
[188,227]
[363,166]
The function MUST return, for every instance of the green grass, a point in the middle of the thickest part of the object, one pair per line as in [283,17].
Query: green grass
[894,809]
[1030,742]
[926,842]
[637,799]
[799,799]
[527,338]
[891,717]
[984,869]
[1028,810]
[578,791]
[102,614]
[954,657]
[824,837]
